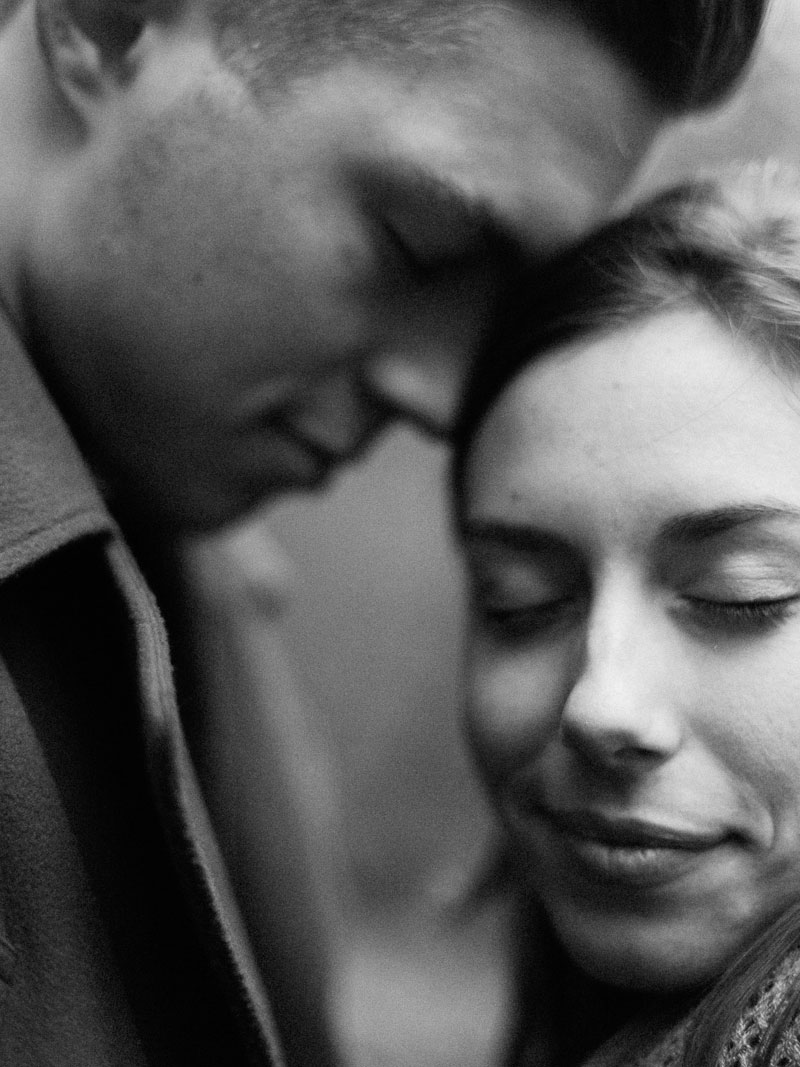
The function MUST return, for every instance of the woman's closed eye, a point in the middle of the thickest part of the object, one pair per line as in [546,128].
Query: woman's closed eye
[520,594]
[532,620]
[742,592]
[737,616]
[529,608]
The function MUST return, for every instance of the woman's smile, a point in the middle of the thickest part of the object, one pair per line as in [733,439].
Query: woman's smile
[618,849]
[626,489]
[633,542]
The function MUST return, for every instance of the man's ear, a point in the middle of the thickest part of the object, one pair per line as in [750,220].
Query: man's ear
[89,45]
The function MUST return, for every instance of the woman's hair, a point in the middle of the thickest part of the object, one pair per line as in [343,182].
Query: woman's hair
[730,246]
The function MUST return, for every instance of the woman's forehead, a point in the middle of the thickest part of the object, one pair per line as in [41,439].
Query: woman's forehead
[674,412]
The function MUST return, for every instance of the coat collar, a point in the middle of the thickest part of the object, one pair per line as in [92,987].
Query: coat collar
[47,495]
[47,499]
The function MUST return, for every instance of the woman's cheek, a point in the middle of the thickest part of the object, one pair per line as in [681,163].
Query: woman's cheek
[748,713]
[514,702]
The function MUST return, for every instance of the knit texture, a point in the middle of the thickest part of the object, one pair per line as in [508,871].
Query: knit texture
[745,1042]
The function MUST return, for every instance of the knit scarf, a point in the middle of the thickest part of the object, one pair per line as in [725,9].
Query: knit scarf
[659,1039]
[635,1047]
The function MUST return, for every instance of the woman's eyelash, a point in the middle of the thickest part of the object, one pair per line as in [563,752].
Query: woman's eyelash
[727,614]
[526,621]
[744,613]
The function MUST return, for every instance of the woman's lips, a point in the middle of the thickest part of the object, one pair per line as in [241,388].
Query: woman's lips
[622,848]
[630,831]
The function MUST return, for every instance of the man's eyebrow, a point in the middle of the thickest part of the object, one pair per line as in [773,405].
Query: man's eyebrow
[517,536]
[402,178]
[699,526]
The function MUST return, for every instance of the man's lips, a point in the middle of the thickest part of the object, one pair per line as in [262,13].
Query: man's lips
[325,453]
[307,461]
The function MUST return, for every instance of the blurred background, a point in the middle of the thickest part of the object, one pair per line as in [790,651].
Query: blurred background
[373,631]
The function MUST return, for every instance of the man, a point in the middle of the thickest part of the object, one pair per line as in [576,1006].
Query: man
[235,238]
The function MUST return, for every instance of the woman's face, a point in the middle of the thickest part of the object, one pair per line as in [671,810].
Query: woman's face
[633,543]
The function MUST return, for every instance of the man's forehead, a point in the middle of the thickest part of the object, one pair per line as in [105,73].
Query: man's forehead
[541,125]
[546,127]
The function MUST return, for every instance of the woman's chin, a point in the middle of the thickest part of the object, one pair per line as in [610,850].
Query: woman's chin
[659,960]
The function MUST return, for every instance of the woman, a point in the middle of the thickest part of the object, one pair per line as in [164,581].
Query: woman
[627,493]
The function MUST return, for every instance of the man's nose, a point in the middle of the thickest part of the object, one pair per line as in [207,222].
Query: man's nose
[420,384]
[420,371]
[337,415]
[621,714]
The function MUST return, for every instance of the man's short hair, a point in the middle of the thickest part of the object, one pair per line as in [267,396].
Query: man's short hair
[688,53]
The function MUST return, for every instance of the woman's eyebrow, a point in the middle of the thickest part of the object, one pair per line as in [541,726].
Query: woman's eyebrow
[698,526]
[511,535]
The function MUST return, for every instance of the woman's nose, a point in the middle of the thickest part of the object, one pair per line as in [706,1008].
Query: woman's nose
[620,713]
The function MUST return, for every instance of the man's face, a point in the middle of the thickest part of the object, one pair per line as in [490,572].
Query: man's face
[234,296]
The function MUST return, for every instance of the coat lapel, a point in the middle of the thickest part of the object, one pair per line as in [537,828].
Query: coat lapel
[185,817]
